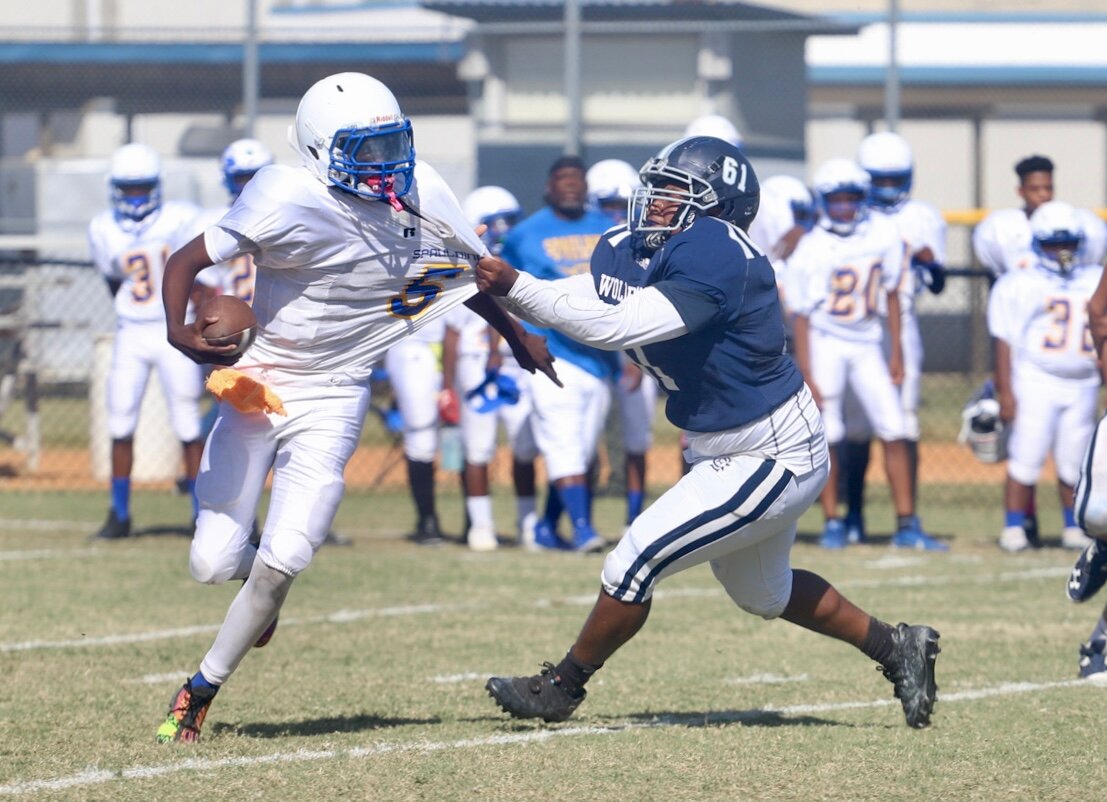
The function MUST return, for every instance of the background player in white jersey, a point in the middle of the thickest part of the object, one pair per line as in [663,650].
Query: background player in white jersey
[888,160]
[1002,241]
[355,249]
[787,212]
[129,244]
[1047,378]
[489,388]
[239,163]
[611,183]
[836,279]
[707,321]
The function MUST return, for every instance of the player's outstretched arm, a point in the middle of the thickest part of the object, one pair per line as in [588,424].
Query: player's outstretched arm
[180,275]
[529,349]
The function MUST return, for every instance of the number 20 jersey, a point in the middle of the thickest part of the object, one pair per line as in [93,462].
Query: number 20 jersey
[837,281]
[134,254]
[340,278]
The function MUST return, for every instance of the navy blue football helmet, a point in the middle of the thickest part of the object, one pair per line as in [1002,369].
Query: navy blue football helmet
[705,176]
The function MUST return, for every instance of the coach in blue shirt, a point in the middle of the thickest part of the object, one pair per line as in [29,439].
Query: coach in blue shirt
[556,242]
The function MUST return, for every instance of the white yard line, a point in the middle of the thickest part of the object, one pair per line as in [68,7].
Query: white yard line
[46,554]
[765,679]
[49,525]
[157,679]
[347,616]
[95,776]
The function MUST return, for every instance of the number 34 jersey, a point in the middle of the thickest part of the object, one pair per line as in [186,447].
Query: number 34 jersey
[837,282]
[135,254]
[340,278]
[1043,317]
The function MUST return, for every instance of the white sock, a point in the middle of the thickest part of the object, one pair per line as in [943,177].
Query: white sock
[480,511]
[252,610]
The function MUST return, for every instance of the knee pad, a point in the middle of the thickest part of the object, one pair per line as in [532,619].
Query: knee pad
[213,569]
[287,551]
[421,445]
[761,600]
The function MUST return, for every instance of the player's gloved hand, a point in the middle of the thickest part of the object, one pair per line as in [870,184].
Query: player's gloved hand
[532,355]
[243,392]
[449,407]
[931,274]
[189,340]
[495,276]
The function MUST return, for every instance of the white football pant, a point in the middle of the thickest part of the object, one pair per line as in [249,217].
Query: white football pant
[858,429]
[1049,413]
[636,408]
[478,430]
[1091,490]
[416,379]
[567,421]
[836,362]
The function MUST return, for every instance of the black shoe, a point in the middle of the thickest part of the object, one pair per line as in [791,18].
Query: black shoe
[335,539]
[1030,526]
[1090,572]
[916,649]
[113,528]
[427,533]
[541,696]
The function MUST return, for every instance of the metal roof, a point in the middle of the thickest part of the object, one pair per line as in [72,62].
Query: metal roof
[602,14]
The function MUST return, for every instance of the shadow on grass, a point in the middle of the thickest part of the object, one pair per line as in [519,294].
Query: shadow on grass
[319,726]
[716,718]
[163,530]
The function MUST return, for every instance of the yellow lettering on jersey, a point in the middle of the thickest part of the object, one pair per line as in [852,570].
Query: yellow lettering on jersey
[572,248]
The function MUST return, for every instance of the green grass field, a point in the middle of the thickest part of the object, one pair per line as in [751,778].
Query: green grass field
[373,685]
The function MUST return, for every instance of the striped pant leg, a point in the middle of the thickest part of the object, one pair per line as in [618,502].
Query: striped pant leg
[722,506]
[1091,488]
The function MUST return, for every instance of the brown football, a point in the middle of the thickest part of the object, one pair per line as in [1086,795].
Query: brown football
[236,325]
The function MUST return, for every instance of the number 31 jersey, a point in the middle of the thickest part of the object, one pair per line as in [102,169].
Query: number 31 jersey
[135,254]
[340,278]
[1043,317]
[837,281]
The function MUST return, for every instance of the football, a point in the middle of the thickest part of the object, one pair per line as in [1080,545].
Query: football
[236,325]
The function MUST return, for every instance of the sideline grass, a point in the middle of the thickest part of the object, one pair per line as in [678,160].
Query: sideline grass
[374,703]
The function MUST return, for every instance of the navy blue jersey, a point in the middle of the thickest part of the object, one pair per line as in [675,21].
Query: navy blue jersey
[730,368]
[551,247]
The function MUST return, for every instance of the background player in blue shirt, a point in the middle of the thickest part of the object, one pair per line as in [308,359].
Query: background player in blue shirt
[555,243]
[686,292]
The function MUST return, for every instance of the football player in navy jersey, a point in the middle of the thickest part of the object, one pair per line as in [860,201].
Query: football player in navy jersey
[688,295]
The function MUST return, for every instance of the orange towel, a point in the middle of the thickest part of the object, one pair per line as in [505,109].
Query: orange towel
[243,393]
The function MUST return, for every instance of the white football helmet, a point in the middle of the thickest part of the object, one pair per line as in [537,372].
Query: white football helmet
[350,132]
[135,181]
[983,430]
[841,177]
[611,182]
[715,125]
[241,159]
[494,207]
[1056,236]
[797,195]
[887,159]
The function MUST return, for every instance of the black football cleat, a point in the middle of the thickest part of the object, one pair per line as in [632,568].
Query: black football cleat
[427,532]
[1089,574]
[916,650]
[113,528]
[541,696]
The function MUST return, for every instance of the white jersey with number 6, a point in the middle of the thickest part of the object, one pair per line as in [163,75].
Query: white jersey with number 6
[837,282]
[134,254]
[234,277]
[340,280]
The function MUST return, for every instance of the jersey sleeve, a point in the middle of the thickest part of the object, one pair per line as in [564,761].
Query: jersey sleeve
[265,213]
[986,245]
[891,262]
[704,273]
[799,281]
[435,201]
[1004,311]
[99,252]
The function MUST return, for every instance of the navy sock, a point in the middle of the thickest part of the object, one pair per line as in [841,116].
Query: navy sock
[121,498]
[574,674]
[200,681]
[1069,516]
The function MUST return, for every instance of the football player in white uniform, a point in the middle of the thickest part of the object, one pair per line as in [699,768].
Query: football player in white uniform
[1047,378]
[240,162]
[487,385]
[787,212]
[836,279]
[888,160]
[1002,242]
[356,249]
[129,244]
[611,183]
